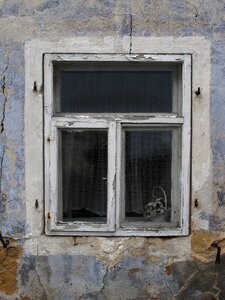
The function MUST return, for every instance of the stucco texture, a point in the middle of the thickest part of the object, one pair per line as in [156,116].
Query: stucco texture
[38,267]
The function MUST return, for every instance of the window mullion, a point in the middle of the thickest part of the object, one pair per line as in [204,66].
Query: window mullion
[175,173]
[111,176]
[52,140]
[120,188]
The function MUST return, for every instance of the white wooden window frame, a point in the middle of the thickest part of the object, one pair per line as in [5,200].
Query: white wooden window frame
[115,225]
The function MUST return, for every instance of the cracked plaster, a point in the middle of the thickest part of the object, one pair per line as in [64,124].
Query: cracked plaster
[128,268]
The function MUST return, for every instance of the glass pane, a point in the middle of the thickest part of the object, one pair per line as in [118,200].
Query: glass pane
[105,91]
[84,175]
[148,175]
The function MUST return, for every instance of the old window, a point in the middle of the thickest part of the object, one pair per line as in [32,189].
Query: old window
[117,144]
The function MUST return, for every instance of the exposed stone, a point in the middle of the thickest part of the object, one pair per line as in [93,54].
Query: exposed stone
[111,268]
[202,244]
[9,259]
[198,280]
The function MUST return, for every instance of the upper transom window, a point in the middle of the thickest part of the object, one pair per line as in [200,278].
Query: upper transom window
[117,144]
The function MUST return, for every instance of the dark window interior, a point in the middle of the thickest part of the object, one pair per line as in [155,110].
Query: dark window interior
[148,173]
[109,87]
[84,174]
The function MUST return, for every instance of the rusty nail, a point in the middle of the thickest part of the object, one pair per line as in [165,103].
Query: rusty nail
[196,203]
[35,86]
[36,203]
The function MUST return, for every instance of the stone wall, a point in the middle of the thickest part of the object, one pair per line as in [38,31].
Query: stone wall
[41,267]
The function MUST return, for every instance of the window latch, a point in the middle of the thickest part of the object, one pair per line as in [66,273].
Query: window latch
[4,243]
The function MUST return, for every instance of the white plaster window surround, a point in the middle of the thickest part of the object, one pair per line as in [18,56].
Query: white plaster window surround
[45,125]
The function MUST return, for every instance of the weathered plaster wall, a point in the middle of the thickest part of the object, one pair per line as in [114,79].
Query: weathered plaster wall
[104,268]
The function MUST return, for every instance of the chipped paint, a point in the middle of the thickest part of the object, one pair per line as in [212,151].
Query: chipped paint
[35,266]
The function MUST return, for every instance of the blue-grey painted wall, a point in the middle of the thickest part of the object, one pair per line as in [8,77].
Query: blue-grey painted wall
[133,275]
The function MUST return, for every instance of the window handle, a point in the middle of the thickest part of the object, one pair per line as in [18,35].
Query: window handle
[4,243]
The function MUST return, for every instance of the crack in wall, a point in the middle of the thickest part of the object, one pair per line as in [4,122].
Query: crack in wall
[215,286]
[5,98]
[131,32]
[2,122]
[130,26]
[169,289]
[4,92]
[103,283]
[38,276]
[186,285]
[96,293]
[1,167]
[196,15]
